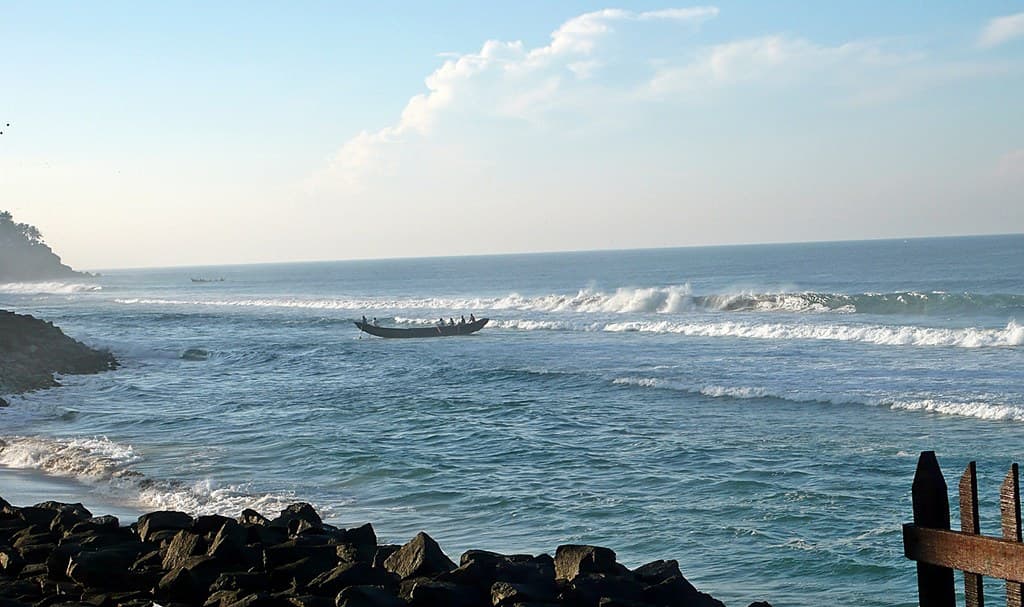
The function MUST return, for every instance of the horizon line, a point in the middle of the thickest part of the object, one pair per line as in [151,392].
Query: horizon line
[552,252]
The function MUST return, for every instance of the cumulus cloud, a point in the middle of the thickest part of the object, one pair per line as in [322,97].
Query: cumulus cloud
[504,79]
[608,66]
[1001,30]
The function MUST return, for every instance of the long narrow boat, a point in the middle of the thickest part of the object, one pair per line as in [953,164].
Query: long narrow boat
[437,331]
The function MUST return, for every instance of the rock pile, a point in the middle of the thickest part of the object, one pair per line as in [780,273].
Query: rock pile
[32,350]
[55,554]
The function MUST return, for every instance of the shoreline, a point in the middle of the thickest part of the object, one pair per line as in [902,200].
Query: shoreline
[28,486]
[57,552]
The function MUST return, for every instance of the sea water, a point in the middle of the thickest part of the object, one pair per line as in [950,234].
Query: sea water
[754,412]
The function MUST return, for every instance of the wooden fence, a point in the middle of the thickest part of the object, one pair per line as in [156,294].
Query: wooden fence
[938,550]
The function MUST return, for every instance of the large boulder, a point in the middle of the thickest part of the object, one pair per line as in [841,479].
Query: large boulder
[162,520]
[184,546]
[350,574]
[572,560]
[421,556]
[367,596]
[297,512]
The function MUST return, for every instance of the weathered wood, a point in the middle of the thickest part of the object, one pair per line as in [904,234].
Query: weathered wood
[991,556]
[970,524]
[931,509]
[1009,509]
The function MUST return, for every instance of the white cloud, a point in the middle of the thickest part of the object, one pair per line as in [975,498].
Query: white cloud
[1001,30]
[607,68]
[503,79]
[778,59]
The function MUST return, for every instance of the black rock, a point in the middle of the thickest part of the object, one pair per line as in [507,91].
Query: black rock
[332,582]
[248,582]
[430,593]
[588,589]
[421,556]
[184,546]
[77,509]
[10,561]
[383,552]
[677,591]
[572,560]
[300,511]
[367,596]
[251,517]
[163,520]
[658,571]
[210,524]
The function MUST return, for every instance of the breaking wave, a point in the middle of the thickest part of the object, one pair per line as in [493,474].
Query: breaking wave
[976,409]
[652,300]
[889,335]
[109,465]
[46,288]
[1012,335]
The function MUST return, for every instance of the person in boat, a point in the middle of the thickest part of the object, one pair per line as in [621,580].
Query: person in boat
[451,321]
[472,319]
[364,319]
[375,322]
[440,322]
[462,320]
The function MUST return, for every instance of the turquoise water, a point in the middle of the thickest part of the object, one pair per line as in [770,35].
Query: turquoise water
[753,412]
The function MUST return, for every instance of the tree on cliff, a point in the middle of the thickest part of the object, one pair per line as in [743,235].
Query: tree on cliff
[24,255]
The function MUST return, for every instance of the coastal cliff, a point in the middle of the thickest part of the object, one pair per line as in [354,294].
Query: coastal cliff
[32,350]
[25,257]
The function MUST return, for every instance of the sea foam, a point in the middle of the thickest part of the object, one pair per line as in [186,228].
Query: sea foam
[975,408]
[47,288]
[110,466]
[1010,336]
[673,299]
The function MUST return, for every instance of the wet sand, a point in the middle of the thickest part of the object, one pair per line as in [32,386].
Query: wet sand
[27,487]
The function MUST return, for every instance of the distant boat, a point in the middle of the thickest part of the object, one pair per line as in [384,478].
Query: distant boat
[436,331]
[207,280]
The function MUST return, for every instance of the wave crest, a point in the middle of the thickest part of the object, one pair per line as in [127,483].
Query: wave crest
[47,288]
[1011,336]
[101,462]
[974,408]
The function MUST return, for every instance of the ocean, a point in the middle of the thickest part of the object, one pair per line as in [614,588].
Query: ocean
[754,412]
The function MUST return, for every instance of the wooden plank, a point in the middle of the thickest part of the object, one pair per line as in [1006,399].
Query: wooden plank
[970,524]
[1009,509]
[931,509]
[991,556]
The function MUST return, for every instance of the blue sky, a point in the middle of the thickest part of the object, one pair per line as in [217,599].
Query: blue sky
[184,133]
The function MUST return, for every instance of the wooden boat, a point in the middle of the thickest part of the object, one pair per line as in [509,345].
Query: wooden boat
[435,331]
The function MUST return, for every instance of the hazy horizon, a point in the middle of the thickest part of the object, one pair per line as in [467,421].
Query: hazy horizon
[552,252]
[240,133]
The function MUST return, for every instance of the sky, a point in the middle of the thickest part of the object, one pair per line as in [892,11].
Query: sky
[194,133]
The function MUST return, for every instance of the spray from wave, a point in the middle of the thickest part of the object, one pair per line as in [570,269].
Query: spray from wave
[676,299]
[47,288]
[1012,335]
[109,466]
[974,408]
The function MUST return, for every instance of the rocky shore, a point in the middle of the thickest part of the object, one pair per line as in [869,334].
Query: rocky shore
[55,554]
[32,350]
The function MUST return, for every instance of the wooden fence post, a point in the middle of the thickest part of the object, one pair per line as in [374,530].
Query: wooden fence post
[970,524]
[931,509]
[1009,508]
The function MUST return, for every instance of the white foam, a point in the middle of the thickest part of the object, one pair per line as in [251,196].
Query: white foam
[109,466]
[1012,335]
[974,408]
[981,410]
[46,288]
